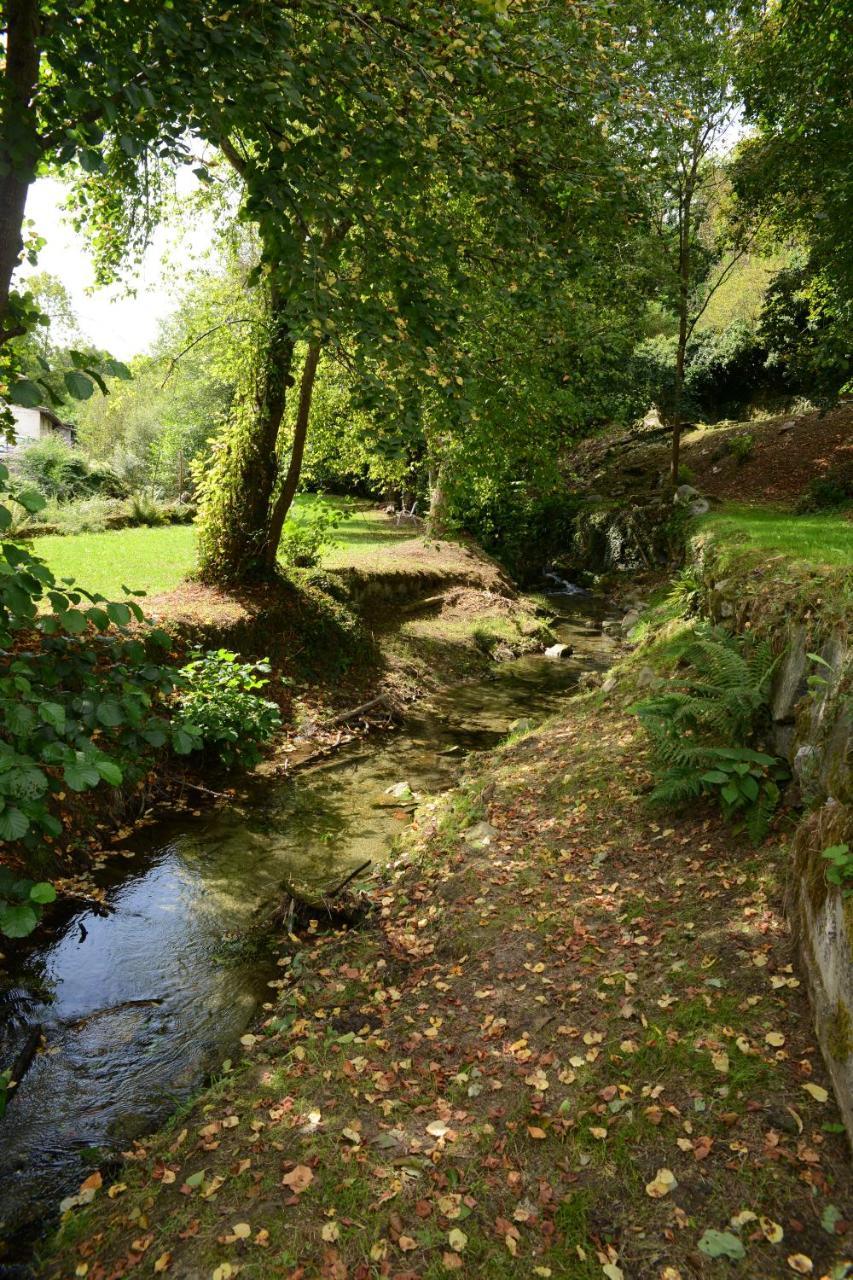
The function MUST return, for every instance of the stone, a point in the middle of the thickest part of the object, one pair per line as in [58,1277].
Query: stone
[481,835]
[648,679]
[559,651]
[522,725]
[699,507]
[685,494]
[632,617]
[609,684]
[789,682]
[786,427]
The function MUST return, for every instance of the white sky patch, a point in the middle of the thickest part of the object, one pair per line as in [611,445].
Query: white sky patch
[123,325]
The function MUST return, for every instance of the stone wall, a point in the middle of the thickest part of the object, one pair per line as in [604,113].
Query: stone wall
[812,710]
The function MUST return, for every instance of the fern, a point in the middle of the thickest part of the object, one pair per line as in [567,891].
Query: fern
[700,728]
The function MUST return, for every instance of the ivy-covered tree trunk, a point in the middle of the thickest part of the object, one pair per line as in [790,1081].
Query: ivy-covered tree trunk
[287,492]
[18,141]
[238,489]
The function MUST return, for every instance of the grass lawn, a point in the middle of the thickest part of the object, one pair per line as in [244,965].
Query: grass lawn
[822,539]
[154,560]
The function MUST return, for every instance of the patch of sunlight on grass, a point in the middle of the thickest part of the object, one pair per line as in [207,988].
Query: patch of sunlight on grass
[158,559]
[824,538]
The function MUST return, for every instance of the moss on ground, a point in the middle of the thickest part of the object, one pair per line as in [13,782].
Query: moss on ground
[569,1053]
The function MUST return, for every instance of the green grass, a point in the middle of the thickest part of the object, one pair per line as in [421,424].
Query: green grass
[821,539]
[157,559]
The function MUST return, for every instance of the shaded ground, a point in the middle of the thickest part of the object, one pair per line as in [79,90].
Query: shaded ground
[783,461]
[788,452]
[579,1049]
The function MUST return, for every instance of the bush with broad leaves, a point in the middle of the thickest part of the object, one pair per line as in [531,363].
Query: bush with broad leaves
[85,698]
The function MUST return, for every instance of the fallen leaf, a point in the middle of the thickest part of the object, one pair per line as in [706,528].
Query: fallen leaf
[721,1244]
[330,1232]
[772,1231]
[406,1243]
[457,1240]
[664,1182]
[819,1094]
[775,1039]
[801,1264]
[298,1179]
[162,1263]
[241,1230]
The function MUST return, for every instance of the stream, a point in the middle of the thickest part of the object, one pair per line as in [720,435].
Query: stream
[139,1006]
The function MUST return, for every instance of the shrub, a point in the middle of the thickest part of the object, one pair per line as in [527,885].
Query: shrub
[741,447]
[83,700]
[827,493]
[701,728]
[308,533]
[143,508]
[58,471]
[21,903]
[221,707]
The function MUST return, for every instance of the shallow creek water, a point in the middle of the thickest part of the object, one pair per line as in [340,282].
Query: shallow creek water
[138,1006]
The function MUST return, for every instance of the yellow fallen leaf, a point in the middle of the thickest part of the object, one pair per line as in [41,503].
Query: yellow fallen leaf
[775,1039]
[819,1094]
[162,1263]
[437,1129]
[771,1231]
[598,1132]
[664,1181]
[535,1132]
[330,1232]
[246,1041]
[116,1189]
[721,1062]
[457,1240]
[241,1230]
[406,1243]
[801,1264]
[223,1272]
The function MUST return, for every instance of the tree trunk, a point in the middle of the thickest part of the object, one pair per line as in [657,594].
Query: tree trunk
[291,481]
[437,500]
[237,493]
[678,395]
[684,265]
[18,143]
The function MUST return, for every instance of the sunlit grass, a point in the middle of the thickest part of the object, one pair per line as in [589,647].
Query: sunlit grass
[824,538]
[158,559]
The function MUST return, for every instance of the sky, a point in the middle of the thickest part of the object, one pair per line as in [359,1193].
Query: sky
[124,326]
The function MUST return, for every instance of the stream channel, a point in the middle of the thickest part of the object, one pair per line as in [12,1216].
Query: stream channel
[139,1006]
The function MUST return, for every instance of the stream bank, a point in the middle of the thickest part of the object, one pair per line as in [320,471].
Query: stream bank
[574,1042]
[141,998]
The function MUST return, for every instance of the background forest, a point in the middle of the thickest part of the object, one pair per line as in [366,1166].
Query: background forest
[605,209]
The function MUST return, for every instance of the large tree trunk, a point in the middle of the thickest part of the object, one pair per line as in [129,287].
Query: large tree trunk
[290,483]
[238,491]
[18,142]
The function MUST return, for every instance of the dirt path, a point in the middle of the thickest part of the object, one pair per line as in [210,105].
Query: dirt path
[581,1049]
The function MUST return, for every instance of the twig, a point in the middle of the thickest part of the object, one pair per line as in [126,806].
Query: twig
[333,893]
[21,1064]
